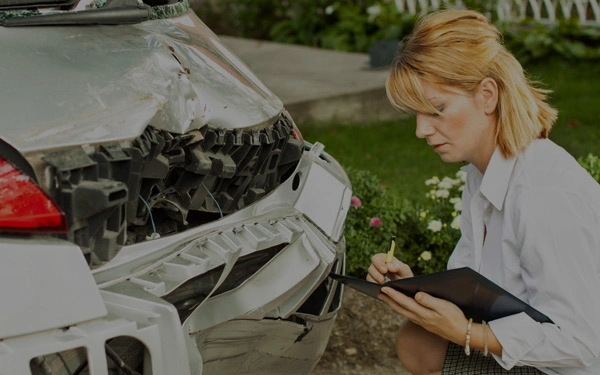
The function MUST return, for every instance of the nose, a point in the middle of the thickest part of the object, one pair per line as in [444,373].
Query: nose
[425,126]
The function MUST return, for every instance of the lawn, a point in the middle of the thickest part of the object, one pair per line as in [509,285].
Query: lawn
[403,162]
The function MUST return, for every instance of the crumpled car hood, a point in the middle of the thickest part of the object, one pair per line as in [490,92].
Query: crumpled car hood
[64,86]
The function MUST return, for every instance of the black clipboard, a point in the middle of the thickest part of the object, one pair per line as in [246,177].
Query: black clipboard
[477,296]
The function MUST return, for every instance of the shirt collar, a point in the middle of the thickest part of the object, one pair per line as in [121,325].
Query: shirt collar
[495,180]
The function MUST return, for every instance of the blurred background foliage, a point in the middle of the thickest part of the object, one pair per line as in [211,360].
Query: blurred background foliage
[345,25]
[357,25]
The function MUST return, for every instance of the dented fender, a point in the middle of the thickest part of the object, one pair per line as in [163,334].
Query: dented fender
[95,87]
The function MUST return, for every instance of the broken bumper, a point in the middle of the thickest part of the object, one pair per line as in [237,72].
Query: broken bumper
[248,293]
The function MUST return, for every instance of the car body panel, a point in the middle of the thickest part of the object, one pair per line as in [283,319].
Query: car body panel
[41,276]
[194,81]
[260,356]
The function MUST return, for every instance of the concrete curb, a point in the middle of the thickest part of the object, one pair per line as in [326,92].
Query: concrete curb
[316,85]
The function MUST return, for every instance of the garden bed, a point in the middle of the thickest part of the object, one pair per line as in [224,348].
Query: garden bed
[362,341]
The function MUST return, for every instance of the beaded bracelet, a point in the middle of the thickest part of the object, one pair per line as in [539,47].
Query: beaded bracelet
[468,341]
[485,344]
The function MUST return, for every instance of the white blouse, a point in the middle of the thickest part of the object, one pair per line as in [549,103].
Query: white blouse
[543,246]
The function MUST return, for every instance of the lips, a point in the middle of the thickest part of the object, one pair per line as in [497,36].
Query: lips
[438,146]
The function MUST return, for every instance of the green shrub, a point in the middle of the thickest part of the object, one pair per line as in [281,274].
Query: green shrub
[344,25]
[425,234]
[591,163]
[429,232]
[363,238]
[244,18]
[355,25]
[531,40]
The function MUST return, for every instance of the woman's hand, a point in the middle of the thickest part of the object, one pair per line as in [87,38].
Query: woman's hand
[378,268]
[437,316]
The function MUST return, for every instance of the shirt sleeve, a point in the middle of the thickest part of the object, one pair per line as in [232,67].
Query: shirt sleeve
[557,234]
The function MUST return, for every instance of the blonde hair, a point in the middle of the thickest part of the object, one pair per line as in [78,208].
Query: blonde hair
[459,48]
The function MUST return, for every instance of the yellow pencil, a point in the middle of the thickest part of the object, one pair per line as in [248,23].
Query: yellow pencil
[389,256]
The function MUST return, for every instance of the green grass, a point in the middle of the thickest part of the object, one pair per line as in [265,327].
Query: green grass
[576,94]
[403,162]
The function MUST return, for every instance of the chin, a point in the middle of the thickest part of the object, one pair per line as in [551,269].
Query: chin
[450,158]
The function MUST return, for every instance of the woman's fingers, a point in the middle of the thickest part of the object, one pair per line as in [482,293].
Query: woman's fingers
[429,301]
[397,307]
[423,304]
[399,268]
[438,316]
[374,275]
[395,268]
[378,261]
[402,300]
[412,308]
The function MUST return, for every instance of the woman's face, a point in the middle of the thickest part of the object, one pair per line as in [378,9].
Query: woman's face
[465,129]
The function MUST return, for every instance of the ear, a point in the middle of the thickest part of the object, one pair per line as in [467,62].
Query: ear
[488,91]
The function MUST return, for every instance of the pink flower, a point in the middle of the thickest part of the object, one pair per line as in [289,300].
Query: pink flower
[375,222]
[355,202]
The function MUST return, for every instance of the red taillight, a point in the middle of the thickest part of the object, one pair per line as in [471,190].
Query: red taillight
[24,207]
[296,133]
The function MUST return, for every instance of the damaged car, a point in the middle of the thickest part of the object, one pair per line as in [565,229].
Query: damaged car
[160,212]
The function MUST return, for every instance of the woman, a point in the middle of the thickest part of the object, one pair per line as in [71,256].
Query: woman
[531,214]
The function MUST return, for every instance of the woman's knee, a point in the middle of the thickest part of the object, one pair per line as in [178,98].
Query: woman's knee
[408,353]
[420,351]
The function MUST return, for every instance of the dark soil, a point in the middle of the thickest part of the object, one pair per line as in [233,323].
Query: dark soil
[362,341]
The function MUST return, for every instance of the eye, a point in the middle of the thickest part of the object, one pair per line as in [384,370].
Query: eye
[440,108]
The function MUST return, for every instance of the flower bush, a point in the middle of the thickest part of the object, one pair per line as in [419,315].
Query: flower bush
[429,232]
[374,217]
[425,234]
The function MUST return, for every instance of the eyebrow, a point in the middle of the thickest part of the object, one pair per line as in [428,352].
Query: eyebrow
[433,98]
